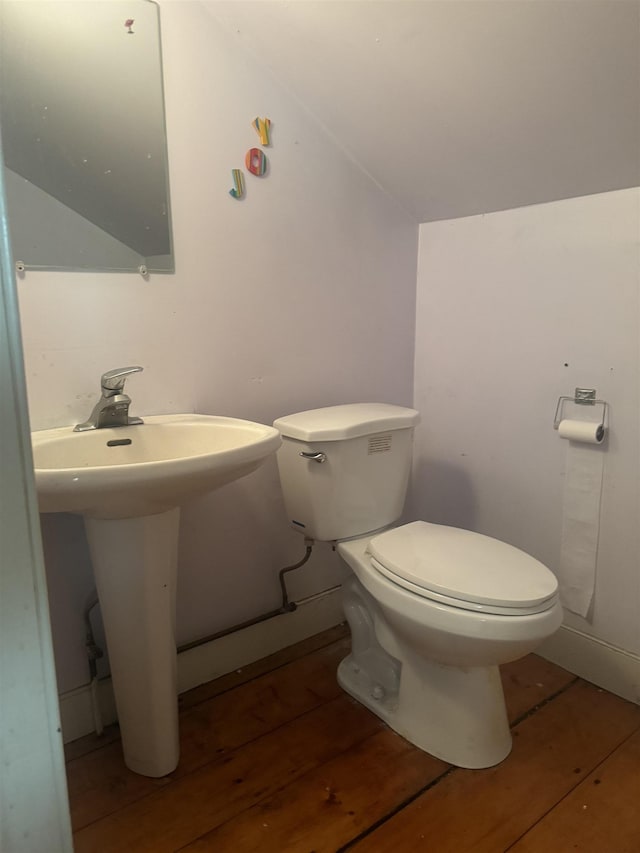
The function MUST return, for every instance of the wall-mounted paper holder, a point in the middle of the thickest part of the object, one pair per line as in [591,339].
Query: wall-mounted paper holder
[582,397]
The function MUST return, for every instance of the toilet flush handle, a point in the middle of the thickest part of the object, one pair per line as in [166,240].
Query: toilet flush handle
[314,457]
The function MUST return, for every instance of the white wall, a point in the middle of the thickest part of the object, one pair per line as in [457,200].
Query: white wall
[300,295]
[34,809]
[515,309]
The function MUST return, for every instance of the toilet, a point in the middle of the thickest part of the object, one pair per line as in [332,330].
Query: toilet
[433,610]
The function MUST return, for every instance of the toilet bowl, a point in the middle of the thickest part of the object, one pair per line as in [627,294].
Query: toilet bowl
[427,662]
[429,667]
[433,610]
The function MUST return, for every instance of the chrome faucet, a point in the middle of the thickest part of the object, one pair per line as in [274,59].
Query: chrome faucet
[112,409]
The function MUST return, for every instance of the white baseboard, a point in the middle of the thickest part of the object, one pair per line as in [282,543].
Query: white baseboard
[211,660]
[76,710]
[610,667]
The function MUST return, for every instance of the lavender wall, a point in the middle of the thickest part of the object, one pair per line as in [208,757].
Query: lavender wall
[300,295]
[515,309]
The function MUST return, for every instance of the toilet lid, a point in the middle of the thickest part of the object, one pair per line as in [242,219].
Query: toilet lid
[462,565]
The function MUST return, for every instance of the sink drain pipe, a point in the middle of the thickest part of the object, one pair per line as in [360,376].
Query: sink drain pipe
[94,652]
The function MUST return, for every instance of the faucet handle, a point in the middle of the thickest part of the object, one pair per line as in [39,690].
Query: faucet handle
[112,381]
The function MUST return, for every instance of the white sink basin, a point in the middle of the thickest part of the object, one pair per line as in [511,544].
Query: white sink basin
[128,483]
[131,471]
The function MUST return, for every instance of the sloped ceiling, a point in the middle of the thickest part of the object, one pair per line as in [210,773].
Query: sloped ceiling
[458,107]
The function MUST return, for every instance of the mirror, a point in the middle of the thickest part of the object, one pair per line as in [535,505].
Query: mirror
[83,133]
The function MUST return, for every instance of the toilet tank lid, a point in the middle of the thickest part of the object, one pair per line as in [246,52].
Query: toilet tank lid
[335,423]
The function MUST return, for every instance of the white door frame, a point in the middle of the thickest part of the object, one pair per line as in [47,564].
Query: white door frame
[34,808]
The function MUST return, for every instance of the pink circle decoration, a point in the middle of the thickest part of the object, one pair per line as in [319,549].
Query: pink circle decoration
[256,161]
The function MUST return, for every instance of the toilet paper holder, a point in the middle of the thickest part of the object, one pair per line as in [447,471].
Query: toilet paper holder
[582,397]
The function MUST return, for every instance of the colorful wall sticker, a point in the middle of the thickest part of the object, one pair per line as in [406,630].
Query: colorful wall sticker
[256,161]
[263,129]
[238,183]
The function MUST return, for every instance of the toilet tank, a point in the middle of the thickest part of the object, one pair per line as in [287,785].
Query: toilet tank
[344,470]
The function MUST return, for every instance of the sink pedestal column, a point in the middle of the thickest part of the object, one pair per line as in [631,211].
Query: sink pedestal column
[135,567]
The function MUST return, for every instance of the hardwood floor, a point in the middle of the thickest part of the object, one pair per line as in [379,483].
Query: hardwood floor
[276,758]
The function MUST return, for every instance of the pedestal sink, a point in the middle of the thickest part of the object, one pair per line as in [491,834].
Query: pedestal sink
[128,483]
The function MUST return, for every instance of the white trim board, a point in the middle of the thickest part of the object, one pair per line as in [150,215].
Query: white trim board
[211,660]
[607,666]
[610,667]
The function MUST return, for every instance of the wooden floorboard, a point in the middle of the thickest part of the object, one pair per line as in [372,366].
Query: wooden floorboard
[99,782]
[330,805]
[338,637]
[276,758]
[192,805]
[553,750]
[600,814]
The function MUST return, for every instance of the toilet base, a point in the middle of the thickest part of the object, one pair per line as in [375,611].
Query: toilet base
[454,713]
[457,715]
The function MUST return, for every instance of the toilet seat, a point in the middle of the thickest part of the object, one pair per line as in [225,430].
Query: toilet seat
[459,568]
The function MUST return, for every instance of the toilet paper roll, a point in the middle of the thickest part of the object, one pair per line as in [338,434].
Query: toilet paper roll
[580,525]
[583,431]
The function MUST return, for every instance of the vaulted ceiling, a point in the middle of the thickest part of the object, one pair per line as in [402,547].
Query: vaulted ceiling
[458,107]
